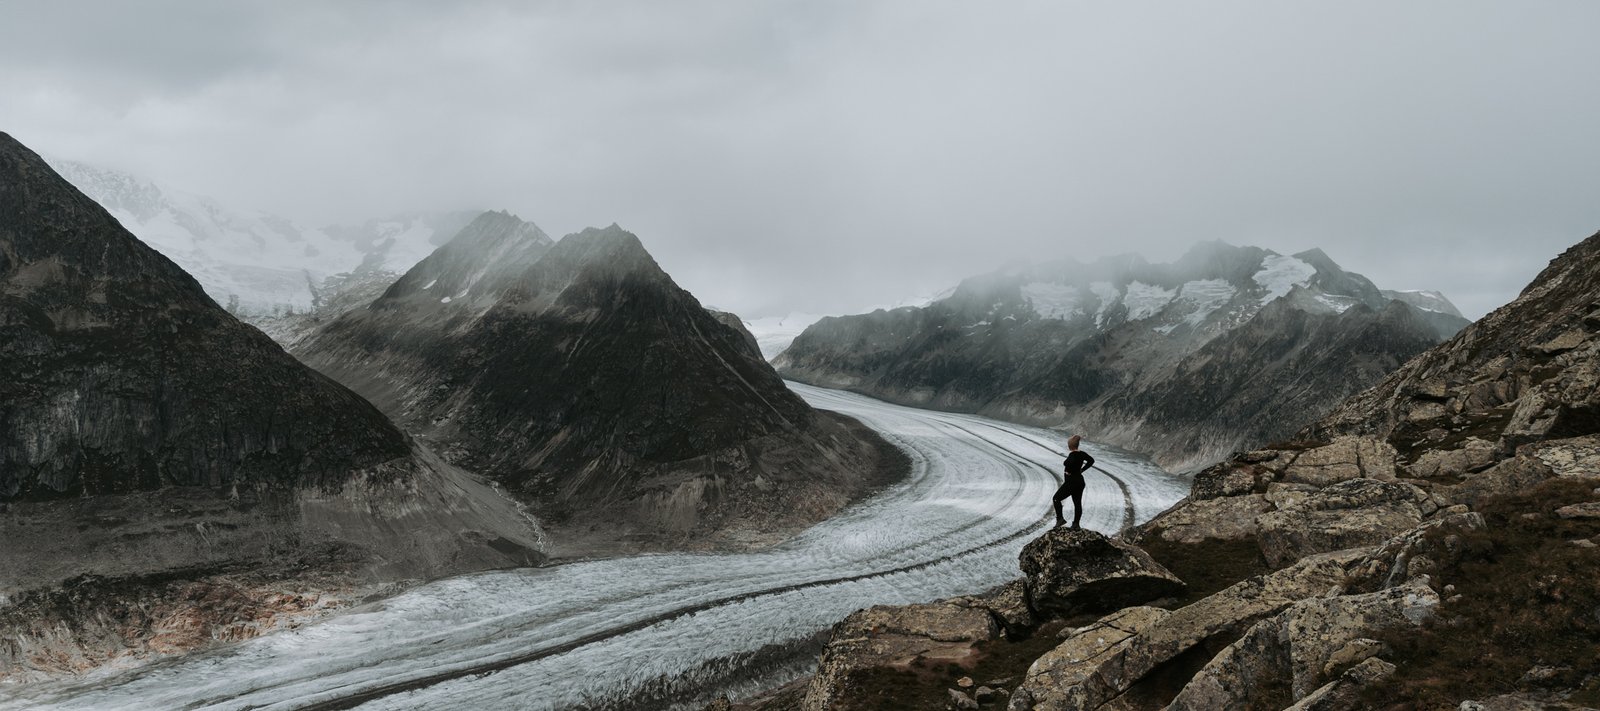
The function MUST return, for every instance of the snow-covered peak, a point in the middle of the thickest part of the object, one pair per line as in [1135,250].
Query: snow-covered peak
[1425,300]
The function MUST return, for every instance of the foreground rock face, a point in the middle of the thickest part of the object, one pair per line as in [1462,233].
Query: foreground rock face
[1162,639]
[1070,571]
[1307,645]
[583,379]
[894,638]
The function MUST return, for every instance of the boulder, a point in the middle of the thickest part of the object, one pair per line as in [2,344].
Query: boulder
[1070,571]
[1344,693]
[1521,702]
[1472,455]
[1344,459]
[894,637]
[1349,514]
[1307,644]
[1219,617]
[1533,464]
[1574,456]
[1008,604]
[1588,509]
[1423,550]
[1234,477]
[1229,518]
[1074,660]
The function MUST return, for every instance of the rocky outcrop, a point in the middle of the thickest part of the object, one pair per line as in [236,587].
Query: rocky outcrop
[1306,645]
[1196,627]
[1071,571]
[1226,349]
[585,381]
[894,638]
[1529,371]
[1349,514]
[1070,665]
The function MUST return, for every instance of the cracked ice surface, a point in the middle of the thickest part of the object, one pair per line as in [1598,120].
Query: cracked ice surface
[578,634]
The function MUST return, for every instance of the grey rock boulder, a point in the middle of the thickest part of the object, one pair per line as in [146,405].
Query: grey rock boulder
[1349,514]
[1308,644]
[1121,664]
[1229,518]
[893,637]
[1071,571]
[1345,692]
[1067,667]
[1423,550]
[1344,459]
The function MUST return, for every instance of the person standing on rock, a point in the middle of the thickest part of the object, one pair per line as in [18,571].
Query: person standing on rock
[1077,462]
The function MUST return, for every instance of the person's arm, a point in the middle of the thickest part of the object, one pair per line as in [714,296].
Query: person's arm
[1090,464]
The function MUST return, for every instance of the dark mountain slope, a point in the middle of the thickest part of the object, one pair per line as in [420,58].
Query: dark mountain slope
[123,375]
[591,383]
[152,445]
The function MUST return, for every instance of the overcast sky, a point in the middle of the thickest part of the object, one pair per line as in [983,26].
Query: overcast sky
[830,156]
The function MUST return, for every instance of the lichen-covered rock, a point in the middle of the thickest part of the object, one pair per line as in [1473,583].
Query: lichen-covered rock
[1008,604]
[1228,518]
[1344,459]
[1472,455]
[1307,644]
[1352,513]
[893,637]
[1345,692]
[1424,550]
[1070,571]
[1235,477]
[1068,665]
[1221,616]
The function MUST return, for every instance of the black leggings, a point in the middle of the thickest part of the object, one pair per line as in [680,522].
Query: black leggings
[1072,487]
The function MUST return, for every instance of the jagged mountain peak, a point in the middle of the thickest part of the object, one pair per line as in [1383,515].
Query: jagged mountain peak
[475,266]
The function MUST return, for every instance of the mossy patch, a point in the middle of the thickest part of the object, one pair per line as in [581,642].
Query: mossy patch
[1525,597]
[1206,567]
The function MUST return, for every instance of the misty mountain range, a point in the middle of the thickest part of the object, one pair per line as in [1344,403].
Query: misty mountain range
[254,263]
[1225,348]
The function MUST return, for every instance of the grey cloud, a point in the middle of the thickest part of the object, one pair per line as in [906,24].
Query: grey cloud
[830,156]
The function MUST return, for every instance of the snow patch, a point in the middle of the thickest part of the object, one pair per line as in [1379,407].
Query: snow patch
[1146,300]
[444,300]
[1339,304]
[1108,294]
[1279,275]
[1207,295]
[1055,301]
[430,284]
[775,333]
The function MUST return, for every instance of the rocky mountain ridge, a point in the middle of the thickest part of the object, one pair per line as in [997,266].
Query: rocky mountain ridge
[148,437]
[1429,544]
[589,384]
[1145,356]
